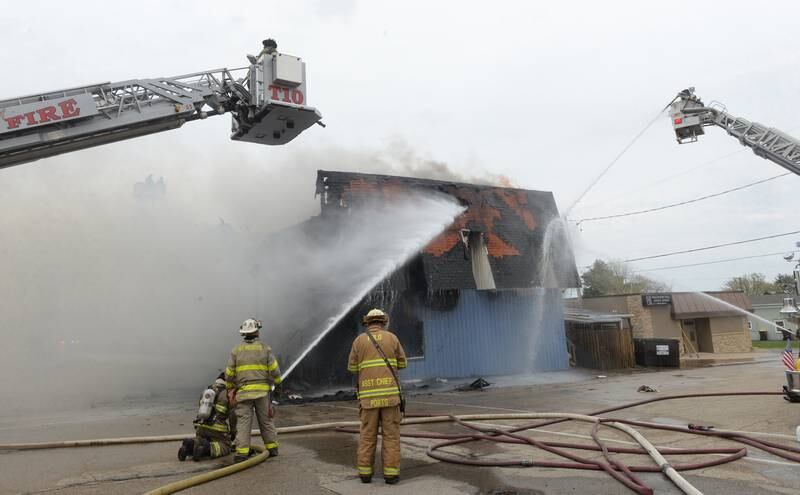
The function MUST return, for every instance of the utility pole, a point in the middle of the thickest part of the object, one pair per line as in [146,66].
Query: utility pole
[791,310]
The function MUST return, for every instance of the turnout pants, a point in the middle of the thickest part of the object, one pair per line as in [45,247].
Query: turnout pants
[388,418]
[244,420]
[219,447]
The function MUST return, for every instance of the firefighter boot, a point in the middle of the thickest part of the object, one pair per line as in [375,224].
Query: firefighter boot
[202,449]
[186,450]
[366,478]
[391,480]
[273,452]
[241,458]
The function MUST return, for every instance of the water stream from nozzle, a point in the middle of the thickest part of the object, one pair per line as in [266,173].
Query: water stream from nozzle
[555,260]
[737,309]
[556,255]
[407,227]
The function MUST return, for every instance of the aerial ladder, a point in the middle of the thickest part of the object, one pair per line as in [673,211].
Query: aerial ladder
[689,116]
[267,102]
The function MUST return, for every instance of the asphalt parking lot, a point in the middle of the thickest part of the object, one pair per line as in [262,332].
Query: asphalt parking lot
[322,462]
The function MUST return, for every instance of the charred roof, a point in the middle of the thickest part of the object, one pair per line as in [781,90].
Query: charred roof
[513,224]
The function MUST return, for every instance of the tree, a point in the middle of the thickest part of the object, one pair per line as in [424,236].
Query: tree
[615,277]
[784,282]
[752,284]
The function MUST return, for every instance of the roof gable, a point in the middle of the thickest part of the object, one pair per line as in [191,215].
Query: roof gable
[511,221]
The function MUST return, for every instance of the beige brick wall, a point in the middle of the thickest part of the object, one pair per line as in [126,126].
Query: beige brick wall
[730,334]
[641,321]
[664,326]
[732,342]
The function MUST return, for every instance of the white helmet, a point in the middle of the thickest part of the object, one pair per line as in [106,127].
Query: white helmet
[250,326]
[376,316]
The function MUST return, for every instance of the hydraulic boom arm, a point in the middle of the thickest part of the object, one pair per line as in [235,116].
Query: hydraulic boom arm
[267,102]
[689,116]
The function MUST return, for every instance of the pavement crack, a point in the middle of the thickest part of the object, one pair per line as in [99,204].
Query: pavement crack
[95,481]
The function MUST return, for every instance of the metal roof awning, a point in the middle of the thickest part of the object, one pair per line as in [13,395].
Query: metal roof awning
[687,305]
[582,315]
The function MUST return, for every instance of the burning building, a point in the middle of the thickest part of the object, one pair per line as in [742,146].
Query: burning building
[482,298]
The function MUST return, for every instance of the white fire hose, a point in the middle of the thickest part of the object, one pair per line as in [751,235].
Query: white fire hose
[668,470]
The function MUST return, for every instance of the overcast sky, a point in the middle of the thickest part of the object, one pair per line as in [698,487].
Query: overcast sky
[545,93]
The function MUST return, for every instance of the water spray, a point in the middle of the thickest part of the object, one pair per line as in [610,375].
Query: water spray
[737,309]
[438,212]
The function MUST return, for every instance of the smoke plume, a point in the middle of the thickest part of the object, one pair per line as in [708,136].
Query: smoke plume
[109,293]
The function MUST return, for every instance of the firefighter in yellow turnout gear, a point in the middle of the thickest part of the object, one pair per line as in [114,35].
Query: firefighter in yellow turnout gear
[250,376]
[212,435]
[379,395]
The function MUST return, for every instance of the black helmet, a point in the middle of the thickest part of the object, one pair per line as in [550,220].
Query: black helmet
[269,42]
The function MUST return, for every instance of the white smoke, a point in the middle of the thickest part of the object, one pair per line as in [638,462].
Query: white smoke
[105,296]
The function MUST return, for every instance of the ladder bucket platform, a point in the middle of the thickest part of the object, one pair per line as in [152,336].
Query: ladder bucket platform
[277,123]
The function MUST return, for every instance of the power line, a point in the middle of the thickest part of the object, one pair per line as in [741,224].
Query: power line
[679,174]
[694,250]
[616,159]
[668,178]
[682,203]
[714,262]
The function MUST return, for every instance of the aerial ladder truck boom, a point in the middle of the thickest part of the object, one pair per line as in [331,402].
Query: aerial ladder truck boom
[689,116]
[267,102]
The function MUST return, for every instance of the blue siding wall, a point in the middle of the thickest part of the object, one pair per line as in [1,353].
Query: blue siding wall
[493,333]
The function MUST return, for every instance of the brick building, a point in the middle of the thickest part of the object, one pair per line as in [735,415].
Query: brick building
[470,303]
[701,324]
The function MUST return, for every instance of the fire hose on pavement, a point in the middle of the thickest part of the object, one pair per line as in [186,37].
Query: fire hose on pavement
[621,472]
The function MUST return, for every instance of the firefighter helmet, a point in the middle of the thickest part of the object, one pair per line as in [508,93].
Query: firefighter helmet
[376,316]
[250,326]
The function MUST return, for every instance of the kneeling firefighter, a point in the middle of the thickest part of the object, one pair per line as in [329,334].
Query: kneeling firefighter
[212,435]
[376,356]
[251,374]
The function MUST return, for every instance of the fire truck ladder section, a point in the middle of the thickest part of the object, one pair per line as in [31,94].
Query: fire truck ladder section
[689,116]
[48,124]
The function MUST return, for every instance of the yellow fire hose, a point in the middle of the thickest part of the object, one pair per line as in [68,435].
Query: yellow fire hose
[211,475]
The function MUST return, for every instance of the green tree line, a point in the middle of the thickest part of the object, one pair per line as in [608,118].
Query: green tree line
[615,277]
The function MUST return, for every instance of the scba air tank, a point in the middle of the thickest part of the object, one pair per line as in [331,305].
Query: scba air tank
[206,404]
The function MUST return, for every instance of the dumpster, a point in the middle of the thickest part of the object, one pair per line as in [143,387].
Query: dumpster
[657,352]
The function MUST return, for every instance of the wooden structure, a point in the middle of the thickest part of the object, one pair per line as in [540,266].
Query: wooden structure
[602,341]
